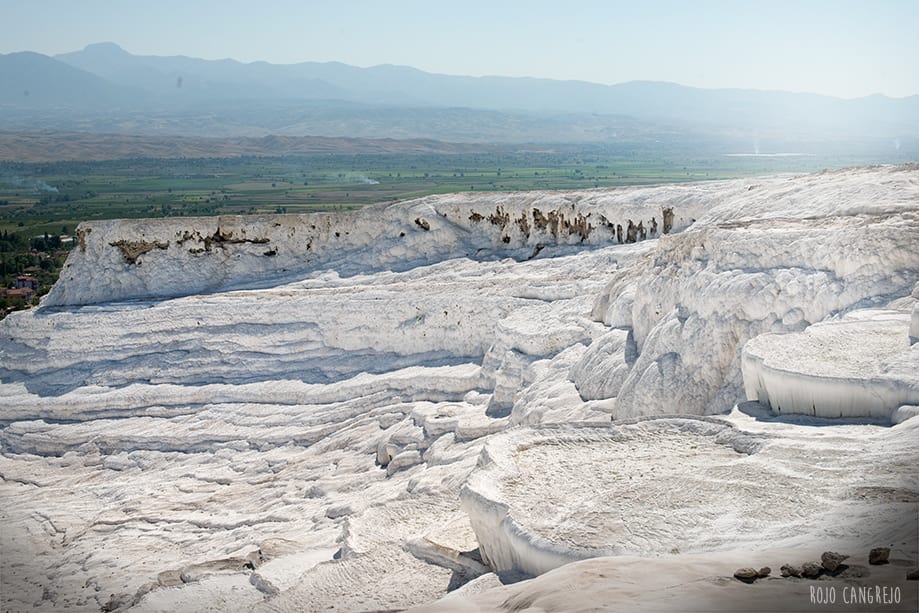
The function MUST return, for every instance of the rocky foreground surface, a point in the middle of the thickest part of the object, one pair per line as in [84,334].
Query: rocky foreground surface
[631,393]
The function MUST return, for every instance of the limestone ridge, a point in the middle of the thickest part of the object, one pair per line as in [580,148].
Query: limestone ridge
[786,253]
[158,258]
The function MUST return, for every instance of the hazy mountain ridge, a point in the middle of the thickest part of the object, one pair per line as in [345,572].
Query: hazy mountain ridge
[33,80]
[104,84]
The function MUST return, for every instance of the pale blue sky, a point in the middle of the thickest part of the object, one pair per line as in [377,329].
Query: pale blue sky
[845,48]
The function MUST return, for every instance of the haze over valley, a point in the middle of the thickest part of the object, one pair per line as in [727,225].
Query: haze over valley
[104,88]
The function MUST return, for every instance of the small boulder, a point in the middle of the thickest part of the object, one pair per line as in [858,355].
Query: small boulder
[879,555]
[765,571]
[831,560]
[747,575]
[913,576]
[263,585]
[788,570]
[811,570]
[338,510]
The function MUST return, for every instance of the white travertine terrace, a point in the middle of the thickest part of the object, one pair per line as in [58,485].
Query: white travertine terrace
[861,365]
[278,413]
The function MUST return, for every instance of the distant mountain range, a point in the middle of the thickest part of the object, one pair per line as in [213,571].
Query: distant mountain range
[103,88]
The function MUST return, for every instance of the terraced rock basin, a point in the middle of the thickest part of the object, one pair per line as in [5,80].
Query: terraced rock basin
[541,498]
[861,365]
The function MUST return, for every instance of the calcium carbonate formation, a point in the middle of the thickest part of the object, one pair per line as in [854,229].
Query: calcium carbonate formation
[368,410]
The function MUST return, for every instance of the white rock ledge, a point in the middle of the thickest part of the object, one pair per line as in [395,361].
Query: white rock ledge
[861,366]
[161,258]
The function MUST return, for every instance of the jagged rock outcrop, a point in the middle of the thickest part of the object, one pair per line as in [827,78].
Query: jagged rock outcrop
[159,258]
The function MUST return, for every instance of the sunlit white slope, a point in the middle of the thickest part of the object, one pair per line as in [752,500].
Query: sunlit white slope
[256,414]
[776,256]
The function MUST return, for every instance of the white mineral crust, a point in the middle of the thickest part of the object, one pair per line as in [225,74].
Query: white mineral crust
[279,413]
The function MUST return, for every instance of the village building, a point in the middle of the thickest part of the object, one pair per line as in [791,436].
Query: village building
[25,293]
[27,282]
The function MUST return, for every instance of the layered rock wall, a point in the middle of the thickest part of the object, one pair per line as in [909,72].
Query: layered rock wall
[159,258]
